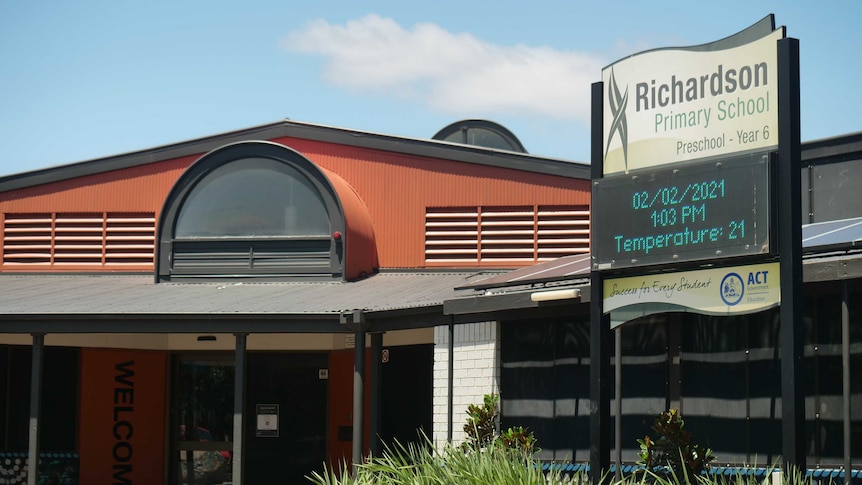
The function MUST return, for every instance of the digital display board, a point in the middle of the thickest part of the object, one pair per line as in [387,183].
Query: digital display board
[703,210]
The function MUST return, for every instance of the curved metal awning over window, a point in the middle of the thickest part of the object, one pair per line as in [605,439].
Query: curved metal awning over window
[262,210]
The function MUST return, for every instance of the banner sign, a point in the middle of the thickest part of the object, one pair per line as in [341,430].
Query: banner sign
[122,414]
[733,290]
[677,104]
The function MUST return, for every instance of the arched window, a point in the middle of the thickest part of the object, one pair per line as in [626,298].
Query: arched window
[251,209]
[481,133]
[253,197]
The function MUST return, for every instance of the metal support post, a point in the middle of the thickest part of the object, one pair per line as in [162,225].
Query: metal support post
[35,408]
[450,384]
[600,373]
[376,389]
[789,197]
[239,409]
[358,399]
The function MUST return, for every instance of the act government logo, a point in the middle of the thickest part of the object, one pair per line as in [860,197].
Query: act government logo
[732,288]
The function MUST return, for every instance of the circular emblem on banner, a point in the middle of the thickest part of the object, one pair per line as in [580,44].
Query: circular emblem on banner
[732,289]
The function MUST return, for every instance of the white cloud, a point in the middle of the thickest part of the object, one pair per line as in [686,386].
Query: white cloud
[452,73]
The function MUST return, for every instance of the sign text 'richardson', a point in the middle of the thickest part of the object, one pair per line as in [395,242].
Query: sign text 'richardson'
[653,96]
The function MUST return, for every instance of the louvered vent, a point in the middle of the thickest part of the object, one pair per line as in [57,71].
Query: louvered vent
[451,235]
[307,256]
[79,240]
[505,235]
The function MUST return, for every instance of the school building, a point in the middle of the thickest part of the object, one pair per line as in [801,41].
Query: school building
[254,304]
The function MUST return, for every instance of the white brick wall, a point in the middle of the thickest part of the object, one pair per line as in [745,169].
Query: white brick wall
[476,373]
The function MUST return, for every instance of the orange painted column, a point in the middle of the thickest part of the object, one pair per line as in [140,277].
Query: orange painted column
[122,417]
[340,425]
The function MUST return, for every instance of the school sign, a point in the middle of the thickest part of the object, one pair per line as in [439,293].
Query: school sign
[678,104]
[696,202]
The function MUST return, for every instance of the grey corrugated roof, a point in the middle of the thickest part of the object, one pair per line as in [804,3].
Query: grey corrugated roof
[564,268]
[309,131]
[33,298]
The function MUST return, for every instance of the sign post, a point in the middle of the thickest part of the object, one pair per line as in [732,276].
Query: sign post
[791,331]
[686,146]
[600,340]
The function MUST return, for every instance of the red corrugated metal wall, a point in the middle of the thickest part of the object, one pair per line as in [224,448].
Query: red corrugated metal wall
[131,194]
[136,189]
[396,188]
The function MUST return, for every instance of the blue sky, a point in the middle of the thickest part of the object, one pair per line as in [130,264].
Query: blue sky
[87,79]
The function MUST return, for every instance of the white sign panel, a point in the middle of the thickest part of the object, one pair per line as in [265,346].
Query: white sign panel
[673,105]
[267,420]
[719,291]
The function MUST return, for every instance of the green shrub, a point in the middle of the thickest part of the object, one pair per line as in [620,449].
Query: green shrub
[518,438]
[481,425]
[487,457]
[494,464]
[674,448]
[481,429]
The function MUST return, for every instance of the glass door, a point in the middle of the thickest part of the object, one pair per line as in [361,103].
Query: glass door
[203,420]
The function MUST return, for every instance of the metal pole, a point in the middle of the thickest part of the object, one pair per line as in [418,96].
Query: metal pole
[376,389]
[845,379]
[792,331]
[358,399]
[618,406]
[451,380]
[238,408]
[35,408]
[600,393]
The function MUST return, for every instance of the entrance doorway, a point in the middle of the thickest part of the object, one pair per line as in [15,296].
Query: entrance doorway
[291,386]
[284,422]
[203,420]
